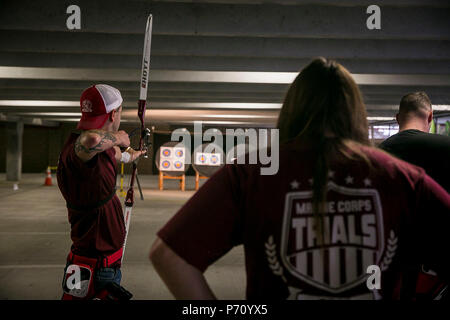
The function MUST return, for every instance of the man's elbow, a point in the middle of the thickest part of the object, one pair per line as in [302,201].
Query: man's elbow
[91,140]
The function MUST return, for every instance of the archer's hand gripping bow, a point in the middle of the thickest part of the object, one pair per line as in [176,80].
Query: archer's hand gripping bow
[145,132]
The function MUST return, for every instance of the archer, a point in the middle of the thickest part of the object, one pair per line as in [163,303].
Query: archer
[87,179]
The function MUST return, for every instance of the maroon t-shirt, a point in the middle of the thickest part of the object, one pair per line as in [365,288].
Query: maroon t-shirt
[99,231]
[392,215]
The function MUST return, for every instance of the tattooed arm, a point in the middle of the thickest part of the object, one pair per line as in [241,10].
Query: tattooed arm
[91,142]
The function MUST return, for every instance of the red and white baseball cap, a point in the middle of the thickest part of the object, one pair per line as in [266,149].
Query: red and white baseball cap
[95,103]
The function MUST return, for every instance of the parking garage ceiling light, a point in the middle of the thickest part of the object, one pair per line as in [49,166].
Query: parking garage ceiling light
[93,74]
[38,103]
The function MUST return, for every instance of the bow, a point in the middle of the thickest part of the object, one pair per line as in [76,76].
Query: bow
[145,132]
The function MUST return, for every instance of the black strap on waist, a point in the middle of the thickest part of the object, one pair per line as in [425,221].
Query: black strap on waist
[92,206]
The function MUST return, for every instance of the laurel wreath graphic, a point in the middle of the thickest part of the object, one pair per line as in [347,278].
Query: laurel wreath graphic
[390,252]
[271,253]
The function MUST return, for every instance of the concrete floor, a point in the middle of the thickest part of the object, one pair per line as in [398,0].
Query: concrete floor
[34,242]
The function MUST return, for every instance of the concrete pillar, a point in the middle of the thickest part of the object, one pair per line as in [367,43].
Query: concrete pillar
[14,136]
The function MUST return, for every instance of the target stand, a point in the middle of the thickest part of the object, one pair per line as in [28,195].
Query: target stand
[163,176]
[197,179]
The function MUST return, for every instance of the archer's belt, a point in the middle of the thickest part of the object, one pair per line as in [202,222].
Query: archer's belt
[101,262]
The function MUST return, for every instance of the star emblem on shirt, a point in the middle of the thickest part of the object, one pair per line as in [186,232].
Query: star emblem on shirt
[367,182]
[349,180]
[295,184]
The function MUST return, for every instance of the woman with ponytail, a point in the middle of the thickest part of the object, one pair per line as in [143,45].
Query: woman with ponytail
[336,212]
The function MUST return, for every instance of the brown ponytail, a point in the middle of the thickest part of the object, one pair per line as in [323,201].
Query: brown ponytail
[324,105]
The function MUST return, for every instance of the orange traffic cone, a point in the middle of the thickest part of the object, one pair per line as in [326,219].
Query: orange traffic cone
[48,179]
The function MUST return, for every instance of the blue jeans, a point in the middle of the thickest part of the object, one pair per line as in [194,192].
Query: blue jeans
[105,275]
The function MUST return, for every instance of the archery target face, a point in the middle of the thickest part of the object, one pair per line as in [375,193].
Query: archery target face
[165,165]
[201,158]
[208,159]
[172,159]
[214,159]
[179,153]
[166,152]
[178,165]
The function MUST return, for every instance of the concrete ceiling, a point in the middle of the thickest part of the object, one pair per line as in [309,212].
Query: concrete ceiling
[227,63]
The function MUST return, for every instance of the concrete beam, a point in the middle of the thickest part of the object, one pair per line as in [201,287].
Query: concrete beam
[217,117]
[395,99]
[63,60]
[346,3]
[31,84]
[242,47]
[401,90]
[207,76]
[130,97]
[161,86]
[55,110]
[266,20]
[213,123]
[177,99]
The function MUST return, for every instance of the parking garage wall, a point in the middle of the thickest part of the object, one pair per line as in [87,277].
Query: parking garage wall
[42,146]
